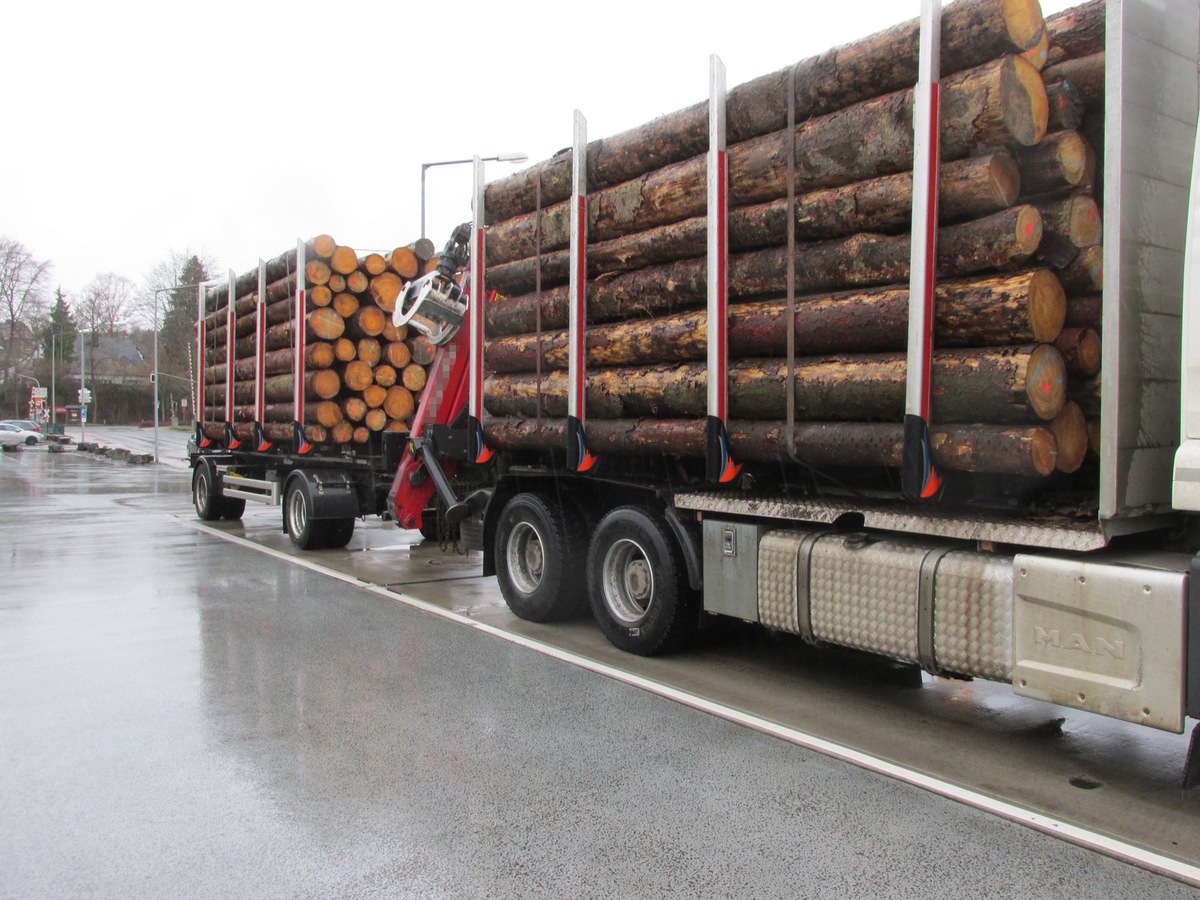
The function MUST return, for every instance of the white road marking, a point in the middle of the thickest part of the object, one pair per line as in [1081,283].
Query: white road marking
[1092,840]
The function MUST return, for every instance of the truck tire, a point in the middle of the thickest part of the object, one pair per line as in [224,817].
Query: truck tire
[306,533]
[338,532]
[637,583]
[539,552]
[208,505]
[232,508]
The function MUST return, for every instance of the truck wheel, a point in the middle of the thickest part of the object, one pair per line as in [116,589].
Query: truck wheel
[232,507]
[208,506]
[538,553]
[305,532]
[637,583]
[338,532]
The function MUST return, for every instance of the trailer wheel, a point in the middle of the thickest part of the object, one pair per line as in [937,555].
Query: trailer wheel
[338,532]
[232,507]
[306,533]
[637,583]
[538,553]
[208,506]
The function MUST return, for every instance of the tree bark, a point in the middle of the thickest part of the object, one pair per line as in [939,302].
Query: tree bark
[1066,107]
[1012,385]
[1075,220]
[1086,74]
[992,106]
[1085,312]
[1027,307]
[280,267]
[967,189]
[322,384]
[961,448]
[1076,32]
[973,32]
[275,362]
[1001,240]
[1085,273]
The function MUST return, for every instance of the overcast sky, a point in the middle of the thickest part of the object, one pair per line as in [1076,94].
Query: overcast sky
[233,128]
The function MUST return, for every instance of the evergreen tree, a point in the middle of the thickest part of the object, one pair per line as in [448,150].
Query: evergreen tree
[62,324]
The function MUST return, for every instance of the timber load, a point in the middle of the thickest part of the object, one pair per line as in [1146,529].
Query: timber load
[362,374]
[819,249]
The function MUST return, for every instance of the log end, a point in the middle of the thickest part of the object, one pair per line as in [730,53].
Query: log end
[344,260]
[1028,229]
[1038,54]
[1084,221]
[1084,348]
[1070,429]
[1025,101]
[1071,154]
[1046,382]
[320,295]
[1047,305]
[1043,451]
[1006,179]
[1026,26]
[326,383]
[323,246]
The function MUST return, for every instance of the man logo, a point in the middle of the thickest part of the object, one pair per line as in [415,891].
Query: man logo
[1096,646]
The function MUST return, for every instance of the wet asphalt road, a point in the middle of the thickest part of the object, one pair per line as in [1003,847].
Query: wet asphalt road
[182,716]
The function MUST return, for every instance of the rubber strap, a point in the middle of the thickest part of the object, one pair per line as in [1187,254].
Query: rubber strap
[804,554]
[925,600]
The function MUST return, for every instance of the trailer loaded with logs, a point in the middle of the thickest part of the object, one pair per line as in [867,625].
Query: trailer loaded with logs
[834,351]
[308,387]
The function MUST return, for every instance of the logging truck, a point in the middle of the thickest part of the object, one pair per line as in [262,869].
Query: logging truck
[836,351]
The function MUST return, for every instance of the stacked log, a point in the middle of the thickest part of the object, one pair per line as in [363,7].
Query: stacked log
[362,376]
[1076,61]
[1018,221]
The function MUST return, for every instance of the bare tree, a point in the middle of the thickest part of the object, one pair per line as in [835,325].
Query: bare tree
[22,306]
[167,274]
[107,307]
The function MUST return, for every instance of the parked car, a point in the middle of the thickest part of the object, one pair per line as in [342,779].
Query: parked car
[13,435]
[27,424]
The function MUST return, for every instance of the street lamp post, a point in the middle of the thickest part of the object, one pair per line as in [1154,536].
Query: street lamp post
[516,158]
[37,384]
[83,386]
